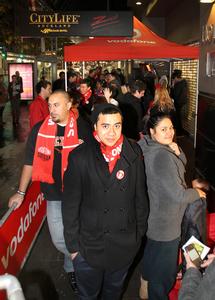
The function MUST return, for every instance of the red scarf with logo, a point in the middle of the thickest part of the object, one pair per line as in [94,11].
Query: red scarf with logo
[111,153]
[44,151]
[86,97]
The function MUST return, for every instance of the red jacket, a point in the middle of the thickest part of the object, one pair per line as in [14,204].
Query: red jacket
[38,110]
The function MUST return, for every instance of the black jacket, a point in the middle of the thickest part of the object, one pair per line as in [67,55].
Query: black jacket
[53,192]
[104,217]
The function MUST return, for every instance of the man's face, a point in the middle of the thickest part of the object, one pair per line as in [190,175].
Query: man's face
[109,128]
[84,88]
[59,108]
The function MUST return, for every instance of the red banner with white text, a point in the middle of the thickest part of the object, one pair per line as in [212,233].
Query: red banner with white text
[19,231]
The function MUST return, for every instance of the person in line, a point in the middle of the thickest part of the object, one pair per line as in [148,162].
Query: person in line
[39,109]
[47,150]
[72,82]
[14,91]
[87,97]
[163,103]
[105,207]
[132,110]
[59,84]
[3,98]
[196,285]
[168,198]
[179,93]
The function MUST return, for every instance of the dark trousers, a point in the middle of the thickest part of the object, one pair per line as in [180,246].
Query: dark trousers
[15,108]
[159,267]
[1,114]
[92,282]
[179,117]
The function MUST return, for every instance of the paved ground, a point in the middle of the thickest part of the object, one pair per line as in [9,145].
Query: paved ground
[42,277]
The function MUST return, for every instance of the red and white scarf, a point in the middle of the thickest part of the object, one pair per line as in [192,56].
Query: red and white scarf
[44,151]
[111,153]
[86,97]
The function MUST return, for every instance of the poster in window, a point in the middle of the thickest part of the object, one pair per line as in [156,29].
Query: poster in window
[26,72]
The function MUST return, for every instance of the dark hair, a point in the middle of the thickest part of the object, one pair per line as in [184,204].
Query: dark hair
[75,98]
[176,73]
[137,85]
[104,109]
[85,81]
[100,100]
[155,119]
[61,73]
[42,84]
[71,74]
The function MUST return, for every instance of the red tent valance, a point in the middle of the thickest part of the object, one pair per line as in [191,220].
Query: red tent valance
[144,44]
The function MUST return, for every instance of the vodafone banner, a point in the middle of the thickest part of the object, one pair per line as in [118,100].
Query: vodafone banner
[19,231]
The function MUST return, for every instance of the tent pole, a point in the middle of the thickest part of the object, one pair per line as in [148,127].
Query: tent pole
[170,72]
[83,69]
[65,68]
[196,108]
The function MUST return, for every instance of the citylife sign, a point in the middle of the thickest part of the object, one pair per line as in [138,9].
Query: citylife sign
[81,23]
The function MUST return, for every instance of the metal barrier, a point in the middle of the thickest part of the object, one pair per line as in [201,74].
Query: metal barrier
[12,286]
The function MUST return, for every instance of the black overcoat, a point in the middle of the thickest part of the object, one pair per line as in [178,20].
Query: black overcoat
[105,215]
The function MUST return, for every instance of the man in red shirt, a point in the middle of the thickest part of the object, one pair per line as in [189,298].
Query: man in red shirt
[39,107]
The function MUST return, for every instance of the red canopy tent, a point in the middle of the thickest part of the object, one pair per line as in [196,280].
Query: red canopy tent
[144,44]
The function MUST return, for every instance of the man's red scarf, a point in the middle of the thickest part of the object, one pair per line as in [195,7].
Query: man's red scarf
[111,153]
[86,97]
[44,151]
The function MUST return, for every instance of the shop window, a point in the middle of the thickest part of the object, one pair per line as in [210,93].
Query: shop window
[210,65]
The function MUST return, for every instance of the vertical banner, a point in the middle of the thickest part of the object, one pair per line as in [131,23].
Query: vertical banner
[19,231]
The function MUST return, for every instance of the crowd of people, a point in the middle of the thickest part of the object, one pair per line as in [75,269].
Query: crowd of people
[113,177]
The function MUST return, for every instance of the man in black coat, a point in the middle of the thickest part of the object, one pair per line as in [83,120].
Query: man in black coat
[179,93]
[105,207]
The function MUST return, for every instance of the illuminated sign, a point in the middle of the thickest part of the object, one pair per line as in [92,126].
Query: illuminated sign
[26,72]
[81,23]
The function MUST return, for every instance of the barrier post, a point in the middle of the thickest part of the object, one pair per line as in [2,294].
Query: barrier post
[12,287]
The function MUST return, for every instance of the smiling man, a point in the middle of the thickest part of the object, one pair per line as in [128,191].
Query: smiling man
[105,207]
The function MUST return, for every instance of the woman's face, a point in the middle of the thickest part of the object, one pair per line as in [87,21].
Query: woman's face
[163,133]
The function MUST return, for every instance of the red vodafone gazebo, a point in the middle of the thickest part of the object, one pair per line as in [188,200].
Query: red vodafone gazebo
[143,45]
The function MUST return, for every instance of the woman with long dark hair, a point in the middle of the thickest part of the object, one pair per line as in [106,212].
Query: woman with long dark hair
[168,197]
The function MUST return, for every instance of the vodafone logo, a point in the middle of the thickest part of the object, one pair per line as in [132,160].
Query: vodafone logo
[25,223]
[120,174]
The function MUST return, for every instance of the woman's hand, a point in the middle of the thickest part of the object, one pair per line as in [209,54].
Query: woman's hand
[189,262]
[201,193]
[175,148]
[107,94]
[200,184]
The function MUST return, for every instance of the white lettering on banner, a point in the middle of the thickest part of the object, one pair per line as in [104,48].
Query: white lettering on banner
[71,131]
[23,227]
